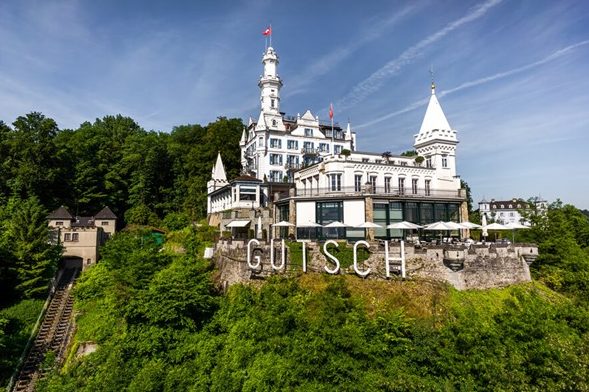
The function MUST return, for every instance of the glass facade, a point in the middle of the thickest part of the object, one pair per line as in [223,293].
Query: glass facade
[415,212]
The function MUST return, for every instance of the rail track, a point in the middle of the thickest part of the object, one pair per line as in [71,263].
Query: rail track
[53,335]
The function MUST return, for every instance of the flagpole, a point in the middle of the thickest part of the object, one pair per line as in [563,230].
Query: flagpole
[270,34]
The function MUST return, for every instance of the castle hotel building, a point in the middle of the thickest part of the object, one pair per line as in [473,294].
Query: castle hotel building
[304,171]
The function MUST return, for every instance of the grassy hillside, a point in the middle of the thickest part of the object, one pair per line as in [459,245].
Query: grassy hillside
[160,325]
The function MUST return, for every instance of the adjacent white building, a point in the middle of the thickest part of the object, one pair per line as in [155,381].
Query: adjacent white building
[510,211]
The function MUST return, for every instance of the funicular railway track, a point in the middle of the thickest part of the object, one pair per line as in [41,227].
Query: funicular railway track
[52,336]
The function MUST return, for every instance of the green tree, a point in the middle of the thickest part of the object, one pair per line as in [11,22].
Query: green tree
[32,166]
[26,236]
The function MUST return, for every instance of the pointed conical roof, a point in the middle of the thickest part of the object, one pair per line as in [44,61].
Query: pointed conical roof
[243,137]
[261,121]
[434,116]
[219,170]
[435,126]
[60,213]
[105,213]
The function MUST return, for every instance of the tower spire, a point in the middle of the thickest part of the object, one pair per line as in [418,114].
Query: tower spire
[431,72]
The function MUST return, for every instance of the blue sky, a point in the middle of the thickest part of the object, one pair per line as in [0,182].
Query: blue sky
[512,76]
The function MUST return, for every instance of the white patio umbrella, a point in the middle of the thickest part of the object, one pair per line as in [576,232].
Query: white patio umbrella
[368,225]
[336,225]
[403,226]
[514,226]
[485,233]
[309,224]
[470,225]
[495,226]
[282,224]
[455,226]
[439,226]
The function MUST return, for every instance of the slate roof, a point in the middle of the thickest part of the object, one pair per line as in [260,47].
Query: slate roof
[61,213]
[105,213]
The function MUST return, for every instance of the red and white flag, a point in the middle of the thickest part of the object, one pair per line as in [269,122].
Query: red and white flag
[331,111]
[267,32]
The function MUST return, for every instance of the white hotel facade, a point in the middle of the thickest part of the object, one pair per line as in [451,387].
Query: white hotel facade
[296,169]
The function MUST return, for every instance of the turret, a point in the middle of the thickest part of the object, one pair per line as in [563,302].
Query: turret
[436,141]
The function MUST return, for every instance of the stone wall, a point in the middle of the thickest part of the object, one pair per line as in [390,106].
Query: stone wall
[474,267]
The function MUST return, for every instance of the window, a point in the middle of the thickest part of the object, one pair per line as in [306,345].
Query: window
[308,132]
[292,159]
[445,161]
[365,160]
[427,187]
[336,182]
[58,223]
[328,212]
[323,147]
[75,236]
[274,123]
[378,160]
[338,135]
[387,185]
[272,103]
[247,193]
[275,175]
[67,237]
[292,144]
[414,182]
[511,214]
[276,159]
[401,186]
[373,183]
[502,206]
[104,223]
[510,206]
[308,146]
[275,143]
[337,149]
[428,162]
[358,183]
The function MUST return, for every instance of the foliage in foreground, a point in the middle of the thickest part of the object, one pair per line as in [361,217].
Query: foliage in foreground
[160,325]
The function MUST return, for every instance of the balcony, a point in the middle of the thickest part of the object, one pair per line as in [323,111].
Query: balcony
[293,166]
[310,151]
[406,193]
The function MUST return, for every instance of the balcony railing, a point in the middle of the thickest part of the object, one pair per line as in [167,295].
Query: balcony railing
[310,151]
[381,191]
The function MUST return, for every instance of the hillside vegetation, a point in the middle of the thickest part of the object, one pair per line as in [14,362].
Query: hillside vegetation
[160,324]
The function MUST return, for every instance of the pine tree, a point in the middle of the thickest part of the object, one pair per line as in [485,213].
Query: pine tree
[26,235]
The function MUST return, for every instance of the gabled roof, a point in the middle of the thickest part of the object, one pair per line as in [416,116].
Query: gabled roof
[105,213]
[60,213]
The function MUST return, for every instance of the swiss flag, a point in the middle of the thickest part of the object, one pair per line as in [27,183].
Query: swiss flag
[331,111]
[268,31]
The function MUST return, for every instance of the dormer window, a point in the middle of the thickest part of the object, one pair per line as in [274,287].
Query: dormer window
[273,123]
[59,223]
[308,132]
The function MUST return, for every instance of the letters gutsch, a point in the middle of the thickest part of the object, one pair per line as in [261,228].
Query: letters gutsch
[255,260]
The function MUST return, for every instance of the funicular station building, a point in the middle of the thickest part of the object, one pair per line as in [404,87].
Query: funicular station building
[300,170]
